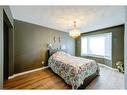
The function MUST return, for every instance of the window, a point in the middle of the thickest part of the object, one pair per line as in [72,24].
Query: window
[98,45]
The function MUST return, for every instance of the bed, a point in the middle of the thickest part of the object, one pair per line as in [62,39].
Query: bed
[75,71]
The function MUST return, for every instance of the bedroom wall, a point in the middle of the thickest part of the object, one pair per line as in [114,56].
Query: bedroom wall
[125,49]
[8,12]
[31,44]
[117,45]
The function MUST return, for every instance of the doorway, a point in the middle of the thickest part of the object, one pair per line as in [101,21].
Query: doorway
[7,26]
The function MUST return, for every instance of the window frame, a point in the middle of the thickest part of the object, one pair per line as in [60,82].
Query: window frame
[95,35]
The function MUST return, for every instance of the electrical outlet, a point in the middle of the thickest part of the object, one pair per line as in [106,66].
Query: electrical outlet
[42,62]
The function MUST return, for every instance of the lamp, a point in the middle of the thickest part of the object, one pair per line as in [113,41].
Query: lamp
[74,33]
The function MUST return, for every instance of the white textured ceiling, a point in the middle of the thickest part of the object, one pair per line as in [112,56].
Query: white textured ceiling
[88,18]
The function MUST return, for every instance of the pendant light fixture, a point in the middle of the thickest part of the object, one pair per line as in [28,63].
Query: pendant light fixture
[74,33]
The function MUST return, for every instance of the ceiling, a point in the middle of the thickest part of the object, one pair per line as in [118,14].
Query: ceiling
[88,18]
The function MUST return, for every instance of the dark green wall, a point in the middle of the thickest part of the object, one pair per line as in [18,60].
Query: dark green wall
[117,45]
[31,44]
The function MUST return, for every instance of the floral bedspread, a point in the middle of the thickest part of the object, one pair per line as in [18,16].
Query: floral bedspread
[72,69]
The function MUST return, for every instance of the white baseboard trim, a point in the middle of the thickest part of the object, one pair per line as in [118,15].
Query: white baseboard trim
[107,66]
[26,72]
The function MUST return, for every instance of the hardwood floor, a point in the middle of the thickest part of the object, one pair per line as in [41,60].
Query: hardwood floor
[42,79]
[109,79]
[46,79]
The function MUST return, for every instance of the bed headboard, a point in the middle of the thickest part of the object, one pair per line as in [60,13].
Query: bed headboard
[52,51]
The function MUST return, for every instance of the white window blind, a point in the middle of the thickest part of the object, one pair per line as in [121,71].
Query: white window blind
[98,45]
